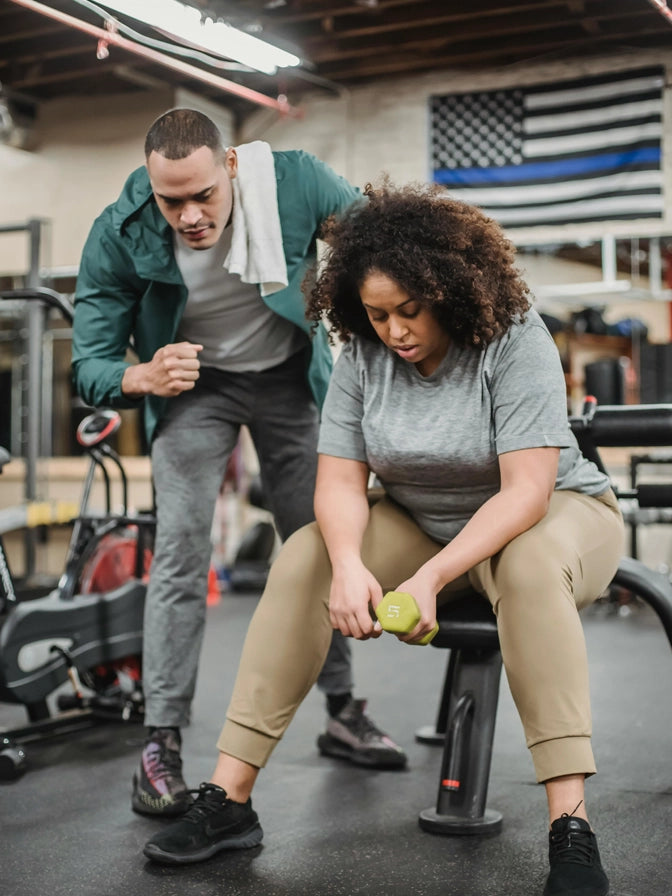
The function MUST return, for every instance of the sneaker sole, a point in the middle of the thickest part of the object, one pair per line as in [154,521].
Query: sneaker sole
[165,810]
[329,746]
[170,810]
[247,840]
[602,892]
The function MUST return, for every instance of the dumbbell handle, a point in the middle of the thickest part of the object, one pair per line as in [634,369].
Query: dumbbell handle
[398,612]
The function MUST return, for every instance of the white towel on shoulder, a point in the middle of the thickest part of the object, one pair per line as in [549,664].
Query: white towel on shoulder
[256,253]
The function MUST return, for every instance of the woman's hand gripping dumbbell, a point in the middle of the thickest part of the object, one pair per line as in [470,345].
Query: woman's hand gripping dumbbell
[399,613]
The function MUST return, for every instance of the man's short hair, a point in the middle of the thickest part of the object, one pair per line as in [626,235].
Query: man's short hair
[179,132]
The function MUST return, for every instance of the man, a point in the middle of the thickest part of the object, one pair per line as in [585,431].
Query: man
[198,267]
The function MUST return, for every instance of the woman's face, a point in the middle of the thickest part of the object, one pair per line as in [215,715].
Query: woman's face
[403,324]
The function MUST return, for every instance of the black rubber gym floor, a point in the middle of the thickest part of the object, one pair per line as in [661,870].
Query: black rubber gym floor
[66,827]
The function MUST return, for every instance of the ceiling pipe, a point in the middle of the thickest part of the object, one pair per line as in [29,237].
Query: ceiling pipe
[109,35]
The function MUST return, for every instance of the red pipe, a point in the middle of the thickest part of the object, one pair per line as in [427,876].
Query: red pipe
[106,37]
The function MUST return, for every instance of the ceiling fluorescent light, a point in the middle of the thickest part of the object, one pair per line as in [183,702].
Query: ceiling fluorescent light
[186,23]
[663,9]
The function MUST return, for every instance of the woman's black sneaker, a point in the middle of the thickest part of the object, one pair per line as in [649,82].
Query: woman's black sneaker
[213,823]
[576,869]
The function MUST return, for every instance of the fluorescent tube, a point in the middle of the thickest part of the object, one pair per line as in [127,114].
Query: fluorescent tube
[186,23]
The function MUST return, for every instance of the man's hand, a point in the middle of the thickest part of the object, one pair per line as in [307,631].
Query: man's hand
[173,369]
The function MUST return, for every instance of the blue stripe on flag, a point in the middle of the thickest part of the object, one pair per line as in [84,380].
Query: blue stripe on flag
[548,171]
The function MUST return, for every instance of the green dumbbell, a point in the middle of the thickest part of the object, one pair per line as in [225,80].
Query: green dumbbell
[399,613]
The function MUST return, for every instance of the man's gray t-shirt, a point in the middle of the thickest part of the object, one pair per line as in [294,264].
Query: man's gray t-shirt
[433,442]
[229,318]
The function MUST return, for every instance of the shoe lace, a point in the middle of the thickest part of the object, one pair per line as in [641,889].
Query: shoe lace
[362,726]
[202,807]
[572,846]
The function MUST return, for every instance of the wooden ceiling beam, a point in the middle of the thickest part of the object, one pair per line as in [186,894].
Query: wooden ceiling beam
[295,13]
[373,66]
[518,39]
[523,24]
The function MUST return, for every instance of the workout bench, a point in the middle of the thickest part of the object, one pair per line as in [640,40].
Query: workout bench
[465,723]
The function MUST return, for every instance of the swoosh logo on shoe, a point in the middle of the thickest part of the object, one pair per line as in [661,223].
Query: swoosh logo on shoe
[233,829]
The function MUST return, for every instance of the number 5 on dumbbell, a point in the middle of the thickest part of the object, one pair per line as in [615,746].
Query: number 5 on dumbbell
[399,613]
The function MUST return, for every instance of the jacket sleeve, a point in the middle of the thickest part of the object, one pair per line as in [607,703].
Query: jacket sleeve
[328,192]
[106,300]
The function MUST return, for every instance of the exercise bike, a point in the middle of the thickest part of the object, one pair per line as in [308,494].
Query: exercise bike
[88,630]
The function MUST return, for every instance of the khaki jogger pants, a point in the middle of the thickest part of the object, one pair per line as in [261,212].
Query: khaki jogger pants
[536,585]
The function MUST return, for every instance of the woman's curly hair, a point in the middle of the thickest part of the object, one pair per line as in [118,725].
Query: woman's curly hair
[447,255]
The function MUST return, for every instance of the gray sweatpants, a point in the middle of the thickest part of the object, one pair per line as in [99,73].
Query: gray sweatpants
[189,457]
[536,585]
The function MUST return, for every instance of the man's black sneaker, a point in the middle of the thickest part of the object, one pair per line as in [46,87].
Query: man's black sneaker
[352,735]
[214,822]
[576,869]
[158,786]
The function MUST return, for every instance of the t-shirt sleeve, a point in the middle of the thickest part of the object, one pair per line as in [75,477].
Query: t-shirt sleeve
[341,426]
[527,385]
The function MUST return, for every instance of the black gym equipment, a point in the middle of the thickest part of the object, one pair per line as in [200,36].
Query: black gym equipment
[465,722]
[88,630]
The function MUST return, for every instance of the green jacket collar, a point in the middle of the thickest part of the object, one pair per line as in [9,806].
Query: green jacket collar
[144,230]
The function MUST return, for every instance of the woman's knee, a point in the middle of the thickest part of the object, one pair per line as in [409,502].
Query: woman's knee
[301,571]
[523,570]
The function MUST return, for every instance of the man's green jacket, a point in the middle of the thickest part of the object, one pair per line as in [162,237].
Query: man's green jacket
[130,292]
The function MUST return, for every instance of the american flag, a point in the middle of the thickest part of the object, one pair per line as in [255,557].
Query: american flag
[566,152]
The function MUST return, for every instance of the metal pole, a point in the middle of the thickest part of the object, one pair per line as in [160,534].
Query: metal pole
[36,315]
[655,267]
[609,267]
[47,393]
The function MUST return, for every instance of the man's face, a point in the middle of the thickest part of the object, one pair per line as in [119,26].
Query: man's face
[195,194]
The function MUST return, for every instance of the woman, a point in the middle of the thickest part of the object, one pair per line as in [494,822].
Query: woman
[450,390]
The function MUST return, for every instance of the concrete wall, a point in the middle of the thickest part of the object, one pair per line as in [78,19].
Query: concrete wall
[385,126]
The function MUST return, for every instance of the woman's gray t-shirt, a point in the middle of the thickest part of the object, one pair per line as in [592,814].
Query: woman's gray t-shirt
[433,442]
